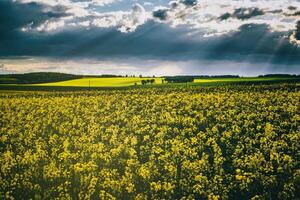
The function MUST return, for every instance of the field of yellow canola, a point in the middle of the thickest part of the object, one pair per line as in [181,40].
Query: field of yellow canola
[229,142]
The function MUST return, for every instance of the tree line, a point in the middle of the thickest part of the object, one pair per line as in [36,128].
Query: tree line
[46,77]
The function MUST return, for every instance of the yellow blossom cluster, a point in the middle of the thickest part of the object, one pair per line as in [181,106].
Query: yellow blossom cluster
[185,142]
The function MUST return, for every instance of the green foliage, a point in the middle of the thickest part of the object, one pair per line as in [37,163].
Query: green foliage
[148,81]
[179,79]
[225,142]
[7,80]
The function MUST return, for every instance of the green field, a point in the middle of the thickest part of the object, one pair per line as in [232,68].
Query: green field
[122,81]
[101,82]
[243,79]
[105,83]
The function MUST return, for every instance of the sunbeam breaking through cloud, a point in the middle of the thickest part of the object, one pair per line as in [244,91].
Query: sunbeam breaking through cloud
[256,32]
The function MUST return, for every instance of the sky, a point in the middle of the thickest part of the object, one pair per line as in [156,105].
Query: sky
[151,37]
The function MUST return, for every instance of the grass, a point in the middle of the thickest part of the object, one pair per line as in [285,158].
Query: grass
[101,82]
[130,81]
[8,80]
[123,83]
[243,79]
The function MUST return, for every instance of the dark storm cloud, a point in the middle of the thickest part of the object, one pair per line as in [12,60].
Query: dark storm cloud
[246,13]
[297,35]
[276,11]
[149,40]
[225,16]
[189,2]
[159,41]
[174,5]
[297,13]
[14,16]
[160,14]
[255,43]
[242,13]
[292,8]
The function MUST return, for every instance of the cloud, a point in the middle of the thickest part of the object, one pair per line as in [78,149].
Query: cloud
[160,13]
[189,2]
[124,21]
[173,4]
[207,18]
[135,18]
[225,16]
[70,3]
[243,13]
[296,13]
[255,32]
[254,43]
[15,16]
[148,4]
[292,8]
[211,18]
[4,69]
[298,30]
[148,67]
[275,11]
[295,37]
[247,13]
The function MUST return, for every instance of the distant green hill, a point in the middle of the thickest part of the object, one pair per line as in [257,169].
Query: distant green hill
[44,77]
[107,80]
[38,77]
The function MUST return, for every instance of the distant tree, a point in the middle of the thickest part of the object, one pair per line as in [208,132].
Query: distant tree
[141,76]
[148,81]
[104,76]
[279,75]
[179,79]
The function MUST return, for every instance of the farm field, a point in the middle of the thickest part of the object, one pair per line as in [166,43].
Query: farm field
[242,79]
[101,82]
[184,142]
[124,82]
